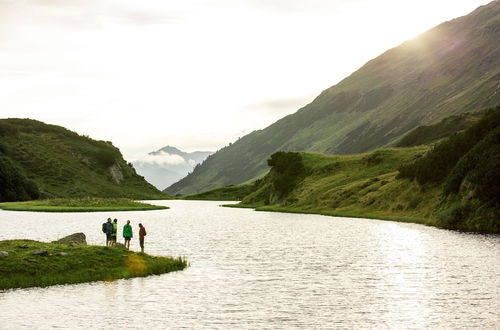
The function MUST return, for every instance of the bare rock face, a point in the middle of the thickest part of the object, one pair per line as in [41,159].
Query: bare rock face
[73,239]
[116,173]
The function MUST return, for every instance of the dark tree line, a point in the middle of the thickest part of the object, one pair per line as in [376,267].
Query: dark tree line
[437,165]
[14,186]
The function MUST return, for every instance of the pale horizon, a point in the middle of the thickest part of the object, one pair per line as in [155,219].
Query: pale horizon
[195,76]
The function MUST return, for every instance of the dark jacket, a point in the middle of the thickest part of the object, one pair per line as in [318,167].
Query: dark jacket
[109,228]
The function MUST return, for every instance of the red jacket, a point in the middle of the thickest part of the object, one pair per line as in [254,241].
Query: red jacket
[142,232]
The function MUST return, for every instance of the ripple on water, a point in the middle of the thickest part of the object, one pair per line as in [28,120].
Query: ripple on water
[268,270]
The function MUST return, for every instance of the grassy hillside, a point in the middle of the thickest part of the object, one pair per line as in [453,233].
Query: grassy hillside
[80,205]
[454,184]
[229,193]
[47,161]
[356,185]
[449,125]
[448,70]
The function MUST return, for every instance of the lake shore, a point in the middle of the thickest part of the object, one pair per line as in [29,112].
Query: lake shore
[28,263]
[348,213]
[80,205]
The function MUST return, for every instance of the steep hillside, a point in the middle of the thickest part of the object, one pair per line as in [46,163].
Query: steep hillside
[449,125]
[450,69]
[167,165]
[455,184]
[46,161]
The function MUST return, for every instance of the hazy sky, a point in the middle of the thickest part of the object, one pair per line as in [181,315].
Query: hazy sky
[194,74]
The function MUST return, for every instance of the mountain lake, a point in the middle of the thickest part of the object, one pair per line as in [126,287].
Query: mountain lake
[262,270]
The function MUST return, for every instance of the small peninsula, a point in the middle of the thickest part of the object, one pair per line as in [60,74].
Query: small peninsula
[28,263]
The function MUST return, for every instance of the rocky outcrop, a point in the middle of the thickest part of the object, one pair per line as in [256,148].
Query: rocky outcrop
[4,254]
[74,239]
[116,173]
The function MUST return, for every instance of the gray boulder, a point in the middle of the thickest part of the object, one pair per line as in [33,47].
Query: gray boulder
[41,252]
[62,254]
[4,254]
[73,239]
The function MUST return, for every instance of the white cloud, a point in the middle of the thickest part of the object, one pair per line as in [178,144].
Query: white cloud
[161,159]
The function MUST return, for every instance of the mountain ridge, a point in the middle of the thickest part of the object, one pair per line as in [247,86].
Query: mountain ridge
[450,69]
[49,161]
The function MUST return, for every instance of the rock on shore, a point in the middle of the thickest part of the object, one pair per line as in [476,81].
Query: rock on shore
[73,239]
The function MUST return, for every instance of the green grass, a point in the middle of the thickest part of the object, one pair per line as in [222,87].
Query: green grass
[368,186]
[360,186]
[83,263]
[229,193]
[80,205]
[351,212]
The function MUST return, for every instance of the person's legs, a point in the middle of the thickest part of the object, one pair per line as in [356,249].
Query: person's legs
[141,242]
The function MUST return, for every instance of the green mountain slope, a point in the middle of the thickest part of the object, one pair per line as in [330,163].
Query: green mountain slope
[451,68]
[454,184]
[46,161]
[449,125]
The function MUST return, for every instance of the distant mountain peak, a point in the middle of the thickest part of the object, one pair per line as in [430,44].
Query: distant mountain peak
[168,165]
[169,150]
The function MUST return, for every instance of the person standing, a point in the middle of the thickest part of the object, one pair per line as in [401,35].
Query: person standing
[142,233]
[127,234]
[109,232]
[115,230]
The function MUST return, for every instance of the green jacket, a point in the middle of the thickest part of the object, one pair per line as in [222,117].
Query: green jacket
[127,231]
[115,229]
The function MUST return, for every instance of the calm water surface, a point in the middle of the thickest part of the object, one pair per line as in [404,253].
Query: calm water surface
[268,270]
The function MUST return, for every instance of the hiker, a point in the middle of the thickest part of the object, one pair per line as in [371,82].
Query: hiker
[115,230]
[109,232]
[142,233]
[127,234]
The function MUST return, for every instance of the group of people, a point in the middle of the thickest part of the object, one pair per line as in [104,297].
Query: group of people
[110,228]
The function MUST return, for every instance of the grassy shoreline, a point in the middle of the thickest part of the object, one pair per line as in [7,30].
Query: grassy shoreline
[80,205]
[66,264]
[340,213]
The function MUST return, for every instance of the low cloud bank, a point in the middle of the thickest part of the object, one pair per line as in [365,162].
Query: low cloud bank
[163,159]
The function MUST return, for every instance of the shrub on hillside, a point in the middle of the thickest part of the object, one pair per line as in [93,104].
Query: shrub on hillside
[7,129]
[437,164]
[288,169]
[14,186]
[106,157]
[479,167]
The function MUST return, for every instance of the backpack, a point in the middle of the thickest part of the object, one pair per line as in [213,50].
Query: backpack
[104,227]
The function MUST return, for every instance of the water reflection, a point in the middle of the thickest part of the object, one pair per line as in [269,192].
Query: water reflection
[269,270]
